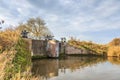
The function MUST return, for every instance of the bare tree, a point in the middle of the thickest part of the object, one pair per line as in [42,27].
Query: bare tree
[36,28]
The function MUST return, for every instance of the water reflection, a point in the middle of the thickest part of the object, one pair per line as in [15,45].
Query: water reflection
[52,68]
[74,63]
[45,68]
[114,60]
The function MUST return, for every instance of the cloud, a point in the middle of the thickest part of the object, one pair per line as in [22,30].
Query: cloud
[66,17]
[14,12]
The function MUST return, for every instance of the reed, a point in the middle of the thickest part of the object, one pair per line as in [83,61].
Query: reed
[14,53]
[8,38]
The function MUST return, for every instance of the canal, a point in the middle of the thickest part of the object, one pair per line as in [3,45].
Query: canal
[77,68]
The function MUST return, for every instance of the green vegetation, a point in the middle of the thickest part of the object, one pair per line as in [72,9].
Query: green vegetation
[21,62]
[15,58]
[23,55]
[8,40]
[39,57]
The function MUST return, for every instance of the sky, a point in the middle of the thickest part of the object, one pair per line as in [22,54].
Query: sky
[90,20]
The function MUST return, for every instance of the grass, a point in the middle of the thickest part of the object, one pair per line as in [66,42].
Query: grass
[15,58]
[91,47]
[114,48]
[114,51]
[20,63]
[8,39]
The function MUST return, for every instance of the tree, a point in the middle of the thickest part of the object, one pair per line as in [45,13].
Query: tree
[36,28]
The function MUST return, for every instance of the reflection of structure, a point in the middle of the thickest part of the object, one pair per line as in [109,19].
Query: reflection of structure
[45,68]
[49,68]
[74,63]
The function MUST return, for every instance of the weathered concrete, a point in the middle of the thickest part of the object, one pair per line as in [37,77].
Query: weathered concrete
[73,50]
[52,48]
[38,47]
[48,48]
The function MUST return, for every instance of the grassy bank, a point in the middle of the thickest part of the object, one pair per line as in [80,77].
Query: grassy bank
[90,47]
[114,48]
[15,58]
[20,65]
[111,49]
[8,40]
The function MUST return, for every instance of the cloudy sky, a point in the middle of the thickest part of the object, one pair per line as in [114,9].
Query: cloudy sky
[95,20]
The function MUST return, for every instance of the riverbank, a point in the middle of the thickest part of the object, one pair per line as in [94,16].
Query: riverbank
[15,57]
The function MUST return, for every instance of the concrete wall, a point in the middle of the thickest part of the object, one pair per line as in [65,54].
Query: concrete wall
[38,47]
[73,50]
[42,47]
[53,48]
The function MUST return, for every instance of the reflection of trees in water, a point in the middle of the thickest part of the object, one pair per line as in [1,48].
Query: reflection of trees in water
[114,60]
[49,68]
[74,63]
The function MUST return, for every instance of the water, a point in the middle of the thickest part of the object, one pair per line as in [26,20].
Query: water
[77,68]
